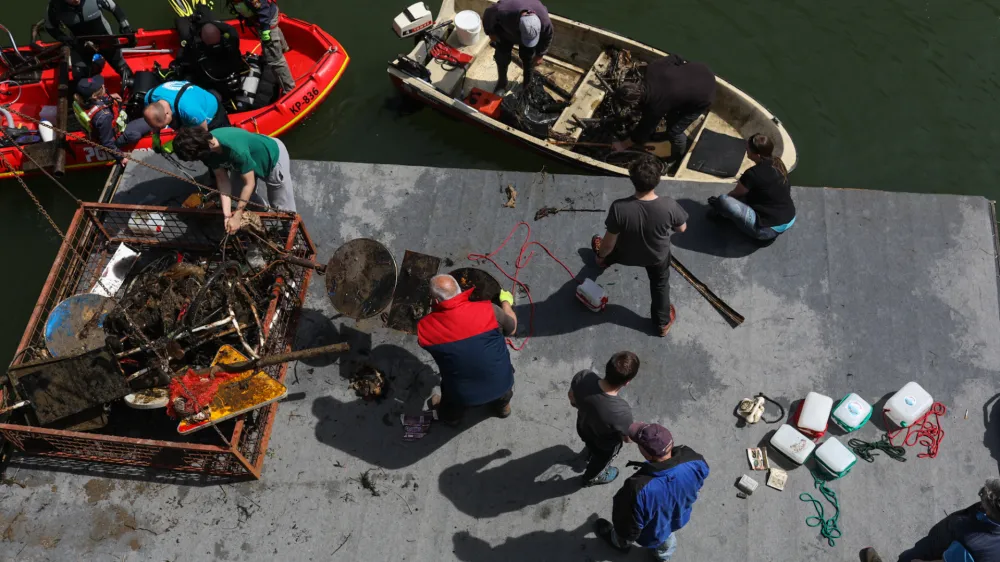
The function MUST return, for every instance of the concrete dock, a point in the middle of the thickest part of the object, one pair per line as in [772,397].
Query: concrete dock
[868,291]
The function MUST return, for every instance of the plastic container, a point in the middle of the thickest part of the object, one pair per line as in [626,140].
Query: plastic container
[591,295]
[46,133]
[484,102]
[789,442]
[149,224]
[814,414]
[834,458]
[468,27]
[851,413]
[908,405]
[48,113]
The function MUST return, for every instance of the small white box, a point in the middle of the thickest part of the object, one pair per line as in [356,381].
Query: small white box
[814,414]
[908,405]
[592,295]
[789,442]
[852,413]
[835,458]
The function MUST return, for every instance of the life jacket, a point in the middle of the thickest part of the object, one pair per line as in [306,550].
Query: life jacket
[86,115]
[258,14]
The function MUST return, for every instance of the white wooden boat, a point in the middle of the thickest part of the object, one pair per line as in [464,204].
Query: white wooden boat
[577,52]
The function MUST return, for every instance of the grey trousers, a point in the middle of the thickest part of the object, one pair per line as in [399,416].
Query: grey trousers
[276,189]
[274,54]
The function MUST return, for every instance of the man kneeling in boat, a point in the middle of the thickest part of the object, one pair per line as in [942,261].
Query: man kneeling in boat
[182,104]
[239,158]
[524,23]
[102,116]
[675,89]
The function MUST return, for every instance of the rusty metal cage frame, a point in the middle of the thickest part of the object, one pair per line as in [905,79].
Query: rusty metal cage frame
[90,235]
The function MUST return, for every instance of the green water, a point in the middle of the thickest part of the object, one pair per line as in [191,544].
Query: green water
[886,95]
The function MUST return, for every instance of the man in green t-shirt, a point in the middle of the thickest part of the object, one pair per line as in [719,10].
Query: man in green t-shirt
[239,158]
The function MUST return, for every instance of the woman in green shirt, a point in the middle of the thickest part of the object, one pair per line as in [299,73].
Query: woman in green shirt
[240,158]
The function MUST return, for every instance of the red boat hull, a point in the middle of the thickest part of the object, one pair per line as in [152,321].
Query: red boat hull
[316,59]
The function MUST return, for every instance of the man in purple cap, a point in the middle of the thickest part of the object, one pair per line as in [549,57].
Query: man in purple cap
[524,23]
[656,501]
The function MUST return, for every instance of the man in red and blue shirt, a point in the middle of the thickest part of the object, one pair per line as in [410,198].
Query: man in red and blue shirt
[466,339]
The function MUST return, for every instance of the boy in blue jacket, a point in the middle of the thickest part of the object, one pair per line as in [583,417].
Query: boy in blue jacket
[656,501]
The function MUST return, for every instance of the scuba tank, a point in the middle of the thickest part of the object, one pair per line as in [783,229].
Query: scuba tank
[144,81]
[251,82]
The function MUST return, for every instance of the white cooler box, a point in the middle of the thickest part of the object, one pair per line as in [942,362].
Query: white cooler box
[908,405]
[789,442]
[814,415]
[834,458]
[852,413]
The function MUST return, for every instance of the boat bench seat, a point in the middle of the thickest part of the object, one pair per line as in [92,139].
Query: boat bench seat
[448,78]
[588,96]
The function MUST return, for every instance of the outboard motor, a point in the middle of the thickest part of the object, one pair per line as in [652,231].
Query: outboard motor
[413,20]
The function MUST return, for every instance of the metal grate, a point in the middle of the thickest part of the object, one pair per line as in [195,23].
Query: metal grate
[95,231]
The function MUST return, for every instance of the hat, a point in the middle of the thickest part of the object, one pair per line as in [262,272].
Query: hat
[531,30]
[89,86]
[653,438]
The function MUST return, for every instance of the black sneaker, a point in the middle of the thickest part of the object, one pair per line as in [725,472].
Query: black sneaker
[869,555]
[604,529]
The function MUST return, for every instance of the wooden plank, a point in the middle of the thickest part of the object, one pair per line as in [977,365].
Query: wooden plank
[588,96]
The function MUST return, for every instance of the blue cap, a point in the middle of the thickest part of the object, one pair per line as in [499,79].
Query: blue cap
[89,86]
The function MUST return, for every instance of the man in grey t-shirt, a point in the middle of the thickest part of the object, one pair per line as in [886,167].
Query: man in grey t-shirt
[638,234]
[603,417]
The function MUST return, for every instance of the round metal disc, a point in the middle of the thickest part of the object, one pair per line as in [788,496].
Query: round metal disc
[76,325]
[487,287]
[360,278]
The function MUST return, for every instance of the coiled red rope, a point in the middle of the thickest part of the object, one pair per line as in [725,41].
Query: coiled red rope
[520,263]
[923,432]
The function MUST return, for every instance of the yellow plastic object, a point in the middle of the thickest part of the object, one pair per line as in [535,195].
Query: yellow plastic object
[193,201]
[243,393]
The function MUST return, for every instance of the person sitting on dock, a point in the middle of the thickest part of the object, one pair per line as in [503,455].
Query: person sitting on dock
[524,23]
[103,117]
[466,339]
[638,234]
[239,158]
[65,20]
[761,203]
[655,502]
[972,533]
[674,89]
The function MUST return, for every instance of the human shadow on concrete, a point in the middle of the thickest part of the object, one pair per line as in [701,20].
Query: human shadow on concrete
[573,545]
[991,427]
[485,492]
[715,237]
[561,313]
[929,547]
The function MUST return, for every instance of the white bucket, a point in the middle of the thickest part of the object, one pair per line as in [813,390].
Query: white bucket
[46,132]
[468,26]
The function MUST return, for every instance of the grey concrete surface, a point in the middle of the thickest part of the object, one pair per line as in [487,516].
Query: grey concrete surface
[869,290]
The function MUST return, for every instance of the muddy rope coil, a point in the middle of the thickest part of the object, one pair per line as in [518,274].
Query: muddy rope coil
[828,528]
[865,450]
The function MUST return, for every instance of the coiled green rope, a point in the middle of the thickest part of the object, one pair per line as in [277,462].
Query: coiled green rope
[863,449]
[827,527]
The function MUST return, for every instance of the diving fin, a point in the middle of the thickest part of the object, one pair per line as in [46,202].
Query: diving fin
[181,7]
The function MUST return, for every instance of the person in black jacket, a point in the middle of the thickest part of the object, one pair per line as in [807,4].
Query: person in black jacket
[761,203]
[974,531]
[65,20]
[656,501]
[524,23]
[674,89]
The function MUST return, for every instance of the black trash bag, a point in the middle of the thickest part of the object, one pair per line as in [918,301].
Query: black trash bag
[530,109]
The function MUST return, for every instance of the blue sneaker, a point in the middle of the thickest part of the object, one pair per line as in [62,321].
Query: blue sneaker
[606,476]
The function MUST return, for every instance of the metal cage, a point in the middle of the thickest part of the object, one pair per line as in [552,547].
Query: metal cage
[90,240]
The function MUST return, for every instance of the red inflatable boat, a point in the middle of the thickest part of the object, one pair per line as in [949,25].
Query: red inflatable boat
[316,59]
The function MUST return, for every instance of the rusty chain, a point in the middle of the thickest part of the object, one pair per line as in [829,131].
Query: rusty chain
[128,155]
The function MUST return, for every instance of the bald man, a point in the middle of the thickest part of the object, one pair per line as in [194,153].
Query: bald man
[211,55]
[466,339]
